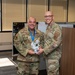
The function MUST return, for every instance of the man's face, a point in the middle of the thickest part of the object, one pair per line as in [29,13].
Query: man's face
[48,17]
[31,23]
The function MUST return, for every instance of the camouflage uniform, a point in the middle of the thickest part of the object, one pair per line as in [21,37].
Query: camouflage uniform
[27,64]
[52,51]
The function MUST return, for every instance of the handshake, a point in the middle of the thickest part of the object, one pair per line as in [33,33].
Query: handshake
[35,46]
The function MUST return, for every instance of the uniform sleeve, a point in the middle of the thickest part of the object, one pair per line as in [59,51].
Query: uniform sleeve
[52,43]
[42,40]
[19,45]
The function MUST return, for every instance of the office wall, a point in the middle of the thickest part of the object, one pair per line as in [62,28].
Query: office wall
[71,11]
[63,11]
[59,8]
[12,11]
[6,41]
[37,8]
[15,11]
[0,15]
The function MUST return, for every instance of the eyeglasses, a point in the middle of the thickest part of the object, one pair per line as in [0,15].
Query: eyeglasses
[48,16]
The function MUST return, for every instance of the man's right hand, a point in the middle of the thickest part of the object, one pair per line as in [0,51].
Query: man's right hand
[40,51]
[31,52]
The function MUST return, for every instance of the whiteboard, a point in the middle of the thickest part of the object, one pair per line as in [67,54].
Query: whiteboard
[42,26]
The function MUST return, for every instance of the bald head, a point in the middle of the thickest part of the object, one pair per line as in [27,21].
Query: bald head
[31,23]
[48,13]
[49,17]
[31,18]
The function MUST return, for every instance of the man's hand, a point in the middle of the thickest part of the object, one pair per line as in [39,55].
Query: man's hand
[40,51]
[31,52]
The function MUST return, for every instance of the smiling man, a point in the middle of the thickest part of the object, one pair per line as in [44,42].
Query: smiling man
[53,40]
[28,58]
[52,48]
